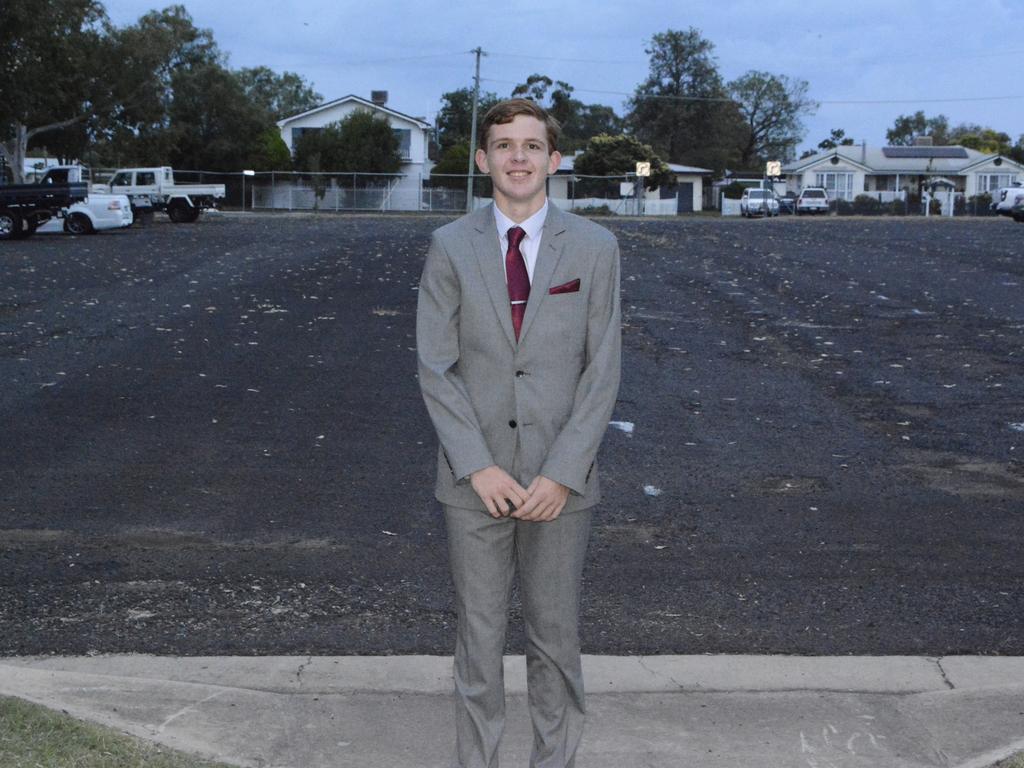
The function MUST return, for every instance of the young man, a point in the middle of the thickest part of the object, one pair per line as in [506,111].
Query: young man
[518,338]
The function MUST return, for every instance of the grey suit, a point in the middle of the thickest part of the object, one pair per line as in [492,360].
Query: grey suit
[536,407]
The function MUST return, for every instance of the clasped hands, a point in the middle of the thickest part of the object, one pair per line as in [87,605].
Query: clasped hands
[541,502]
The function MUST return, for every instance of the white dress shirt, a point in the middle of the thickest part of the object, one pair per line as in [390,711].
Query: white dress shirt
[530,245]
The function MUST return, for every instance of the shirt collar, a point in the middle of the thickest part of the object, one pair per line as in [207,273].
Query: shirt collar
[532,226]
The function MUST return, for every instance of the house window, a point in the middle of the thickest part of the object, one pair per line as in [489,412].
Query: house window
[990,182]
[404,136]
[838,185]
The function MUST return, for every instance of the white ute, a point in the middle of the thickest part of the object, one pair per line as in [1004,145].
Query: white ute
[1009,201]
[100,210]
[812,200]
[155,189]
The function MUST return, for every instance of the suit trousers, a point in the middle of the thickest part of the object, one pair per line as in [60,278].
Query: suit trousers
[485,554]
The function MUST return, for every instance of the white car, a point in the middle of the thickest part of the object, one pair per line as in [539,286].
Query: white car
[95,213]
[759,202]
[100,210]
[812,200]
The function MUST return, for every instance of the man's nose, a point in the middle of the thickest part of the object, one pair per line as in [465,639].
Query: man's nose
[518,153]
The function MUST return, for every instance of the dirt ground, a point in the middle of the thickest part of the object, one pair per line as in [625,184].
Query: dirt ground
[213,441]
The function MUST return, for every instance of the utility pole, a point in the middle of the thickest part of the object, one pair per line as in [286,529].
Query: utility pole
[472,133]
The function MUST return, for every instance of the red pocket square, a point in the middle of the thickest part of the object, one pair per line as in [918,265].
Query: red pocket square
[571,287]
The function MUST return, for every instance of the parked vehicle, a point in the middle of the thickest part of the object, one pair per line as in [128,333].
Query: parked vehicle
[24,207]
[1008,202]
[759,202]
[100,210]
[155,189]
[787,203]
[812,200]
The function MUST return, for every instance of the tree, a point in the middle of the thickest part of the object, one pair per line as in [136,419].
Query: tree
[580,122]
[214,126]
[1017,150]
[981,138]
[279,96]
[270,152]
[51,72]
[906,128]
[771,106]
[455,119]
[837,138]
[450,168]
[617,156]
[361,142]
[682,109]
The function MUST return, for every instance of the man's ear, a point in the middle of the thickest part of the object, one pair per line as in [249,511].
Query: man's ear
[554,160]
[481,161]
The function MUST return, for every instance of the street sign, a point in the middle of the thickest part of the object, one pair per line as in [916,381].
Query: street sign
[626,188]
[643,169]
[774,168]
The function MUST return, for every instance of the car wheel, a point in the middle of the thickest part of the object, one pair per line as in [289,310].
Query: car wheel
[79,224]
[181,212]
[10,224]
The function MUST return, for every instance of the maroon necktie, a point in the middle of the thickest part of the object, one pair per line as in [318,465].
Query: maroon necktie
[518,278]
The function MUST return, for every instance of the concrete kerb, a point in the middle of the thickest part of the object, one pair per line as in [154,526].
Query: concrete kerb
[604,674]
[812,712]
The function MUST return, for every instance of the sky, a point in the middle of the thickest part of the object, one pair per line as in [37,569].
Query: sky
[866,61]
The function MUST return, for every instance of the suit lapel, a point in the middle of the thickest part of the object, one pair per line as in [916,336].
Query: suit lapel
[552,244]
[491,262]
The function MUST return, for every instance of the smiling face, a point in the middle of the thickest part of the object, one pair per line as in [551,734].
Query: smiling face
[518,160]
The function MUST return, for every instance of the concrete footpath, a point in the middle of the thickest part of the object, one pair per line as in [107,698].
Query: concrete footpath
[644,712]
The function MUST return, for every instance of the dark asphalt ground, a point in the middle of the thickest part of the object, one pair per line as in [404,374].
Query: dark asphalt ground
[213,441]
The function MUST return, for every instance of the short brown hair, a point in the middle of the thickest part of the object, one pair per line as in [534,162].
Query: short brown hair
[505,112]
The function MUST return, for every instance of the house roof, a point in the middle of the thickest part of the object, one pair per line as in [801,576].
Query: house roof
[569,163]
[954,160]
[364,102]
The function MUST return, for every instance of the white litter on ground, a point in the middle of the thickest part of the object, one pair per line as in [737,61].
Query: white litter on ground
[625,426]
[1017,426]
[651,490]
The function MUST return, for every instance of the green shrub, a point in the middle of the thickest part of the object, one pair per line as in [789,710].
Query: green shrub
[978,205]
[733,191]
[844,207]
[866,205]
[593,210]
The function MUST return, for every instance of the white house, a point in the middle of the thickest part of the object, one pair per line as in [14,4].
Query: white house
[412,132]
[890,173]
[686,196]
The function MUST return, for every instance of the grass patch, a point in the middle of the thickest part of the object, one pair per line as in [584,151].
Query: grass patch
[1017,761]
[33,736]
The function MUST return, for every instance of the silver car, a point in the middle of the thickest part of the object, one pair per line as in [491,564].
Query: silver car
[759,202]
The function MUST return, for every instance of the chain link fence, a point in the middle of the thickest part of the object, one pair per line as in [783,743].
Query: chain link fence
[443,193]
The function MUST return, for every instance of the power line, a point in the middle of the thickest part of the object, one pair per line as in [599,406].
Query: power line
[556,58]
[673,97]
[919,101]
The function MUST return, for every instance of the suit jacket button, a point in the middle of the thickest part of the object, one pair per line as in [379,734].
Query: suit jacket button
[520,374]
[512,423]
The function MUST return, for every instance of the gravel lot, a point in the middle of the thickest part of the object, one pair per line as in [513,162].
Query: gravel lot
[213,441]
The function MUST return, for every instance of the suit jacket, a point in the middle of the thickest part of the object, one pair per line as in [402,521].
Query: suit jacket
[537,406]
